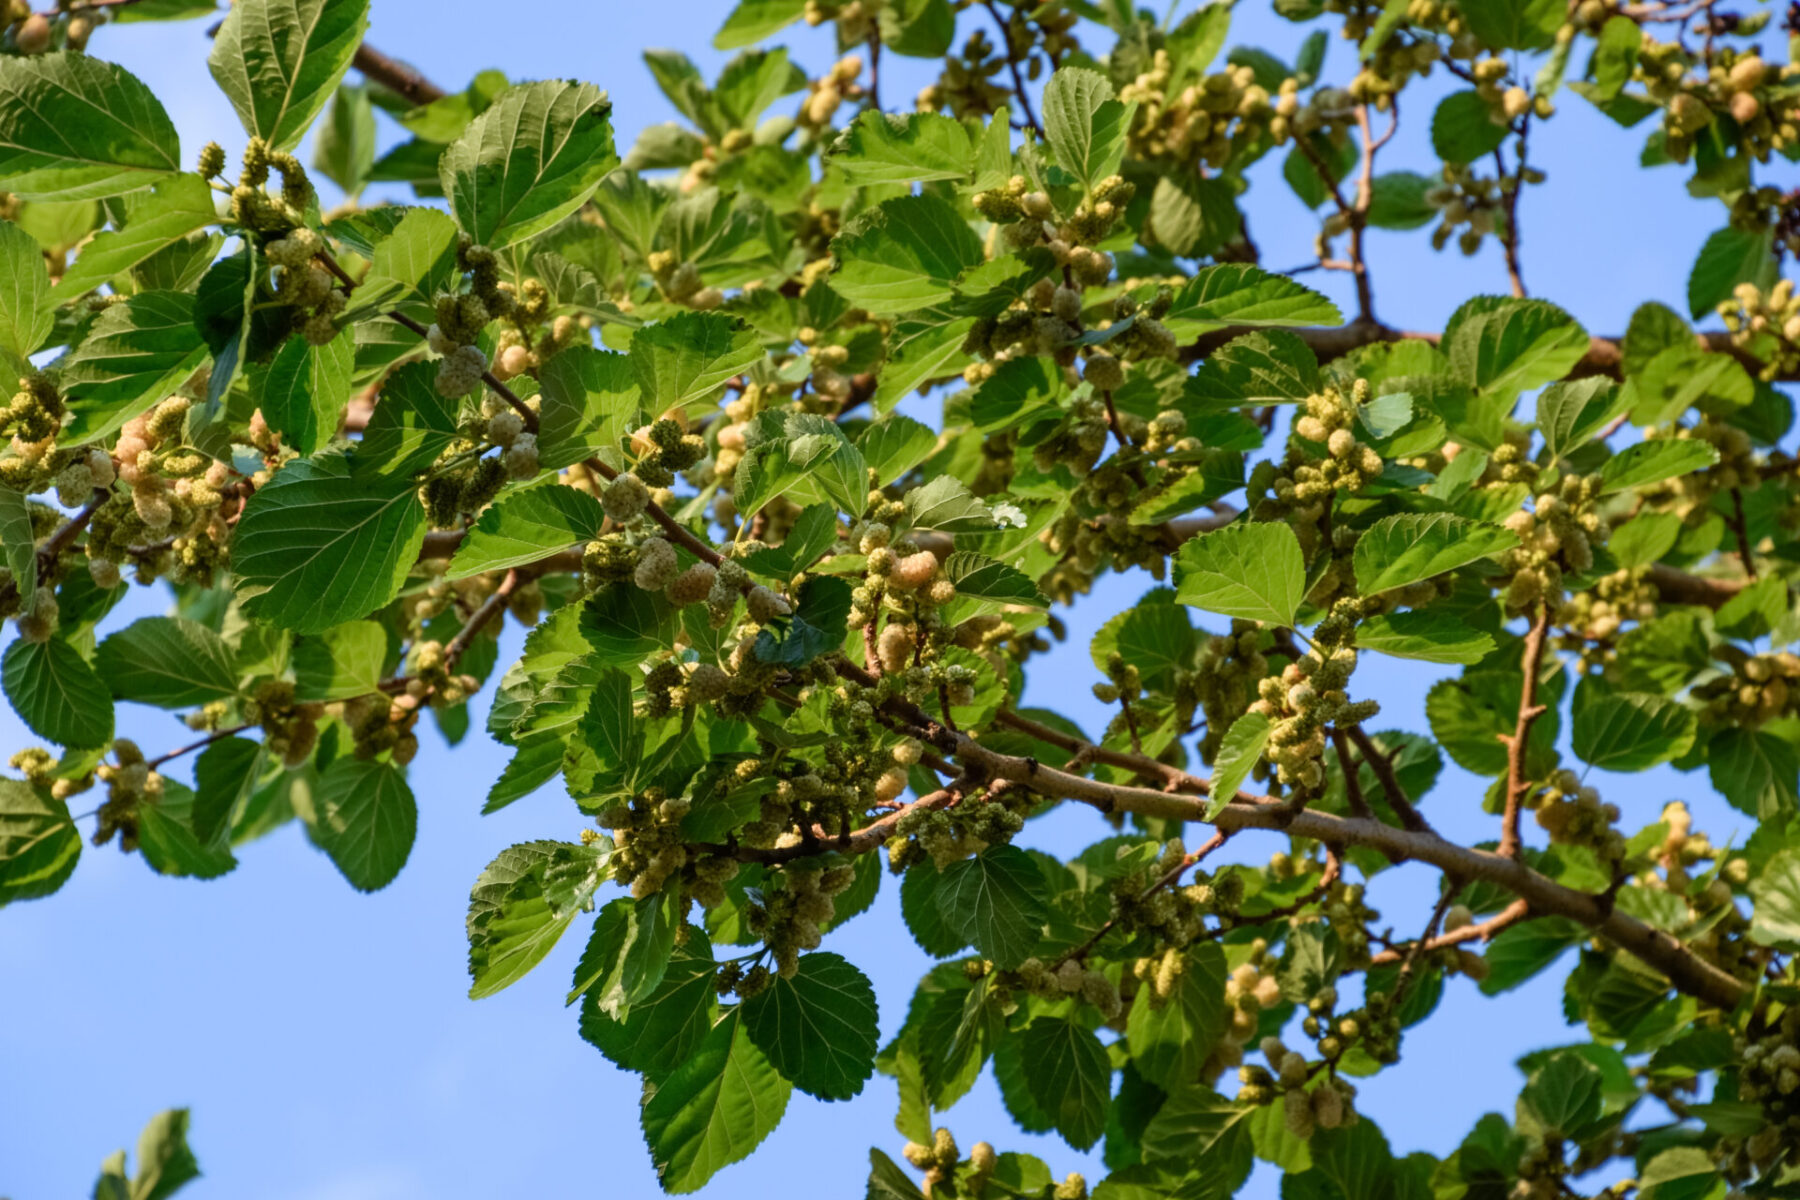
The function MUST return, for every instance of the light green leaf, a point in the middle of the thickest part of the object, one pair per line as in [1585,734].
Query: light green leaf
[154,220]
[412,425]
[1462,129]
[306,389]
[819,1028]
[905,254]
[1503,345]
[1430,636]
[340,664]
[1252,571]
[894,148]
[1240,294]
[1238,753]
[1258,368]
[315,549]
[170,662]
[895,445]
[56,693]
[1654,461]
[169,842]
[535,156]
[689,357]
[995,900]
[367,819]
[1170,1043]
[39,843]
[18,540]
[1631,732]
[522,903]
[946,504]
[344,150]
[1730,256]
[628,953]
[1570,413]
[920,350]
[1680,1173]
[1756,771]
[278,61]
[1411,547]
[714,1109]
[1685,376]
[136,354]
[1615,54]
[1514,24]
[1068,1072]
[26,315]
[753,20]
[1084,125]
[1775,921]
[527,526]
[1563,1094]
[590,403]
[76,128]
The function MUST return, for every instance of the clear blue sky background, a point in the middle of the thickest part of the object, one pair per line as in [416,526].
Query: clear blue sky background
[324,1039]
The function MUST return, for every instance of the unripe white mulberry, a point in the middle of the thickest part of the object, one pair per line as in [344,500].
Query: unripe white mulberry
[625,498]
[521,458]
[504,427]
[913,571]
[765,605]
[895,647]
[693,585]
[657,565]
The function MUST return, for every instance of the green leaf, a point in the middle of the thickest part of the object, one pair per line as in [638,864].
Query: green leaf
[1430,636]
[1192,217]
[895,445]
[1170,1043]
[1514,24]
[1252,571]
[154,221]
[1068,1072]
[342,663]
[947,505]
[753,20]
[1630,732]
[1240,294]
[628,953]
[56,693]
[1257,368]
[1520,952]
[816,627]
[26,315]
[1615,54]
[888,1182]
[367,819]
[306,389]
[1503,346]
[1564,1093]
[169,842]
[535,156]
[411,426]
[1650,462]
[315,549]
[917,28]
[1775,921]
[919,351]
[39,843]
[1238,753]
[995,900]
[1680,1173]
[661,1030]
[525,527]
[590,404]
[136,354]
[979,577]
[18,540]
[164,1162]
[689,357]
[905,254]
[714,1109]
[1756,771]
[170,662]
[278,61]
[344,150]
[1405,549]
[1461,129]
[1684,377]
[1570,413]
[893,148]
[1730,256]
[76,128]
[1397,200]
[818,1028]
[226,773]
[521,904]
[1084,125]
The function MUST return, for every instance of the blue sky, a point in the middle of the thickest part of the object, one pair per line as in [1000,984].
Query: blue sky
[324,1039]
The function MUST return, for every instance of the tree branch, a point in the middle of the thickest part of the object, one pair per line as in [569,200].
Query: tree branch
[1518,781]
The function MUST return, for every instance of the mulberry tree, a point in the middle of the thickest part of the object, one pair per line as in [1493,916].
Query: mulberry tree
[787,434]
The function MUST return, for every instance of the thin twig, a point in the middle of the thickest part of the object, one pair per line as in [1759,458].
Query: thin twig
[209,739]
[1518,780]
[1012,63]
